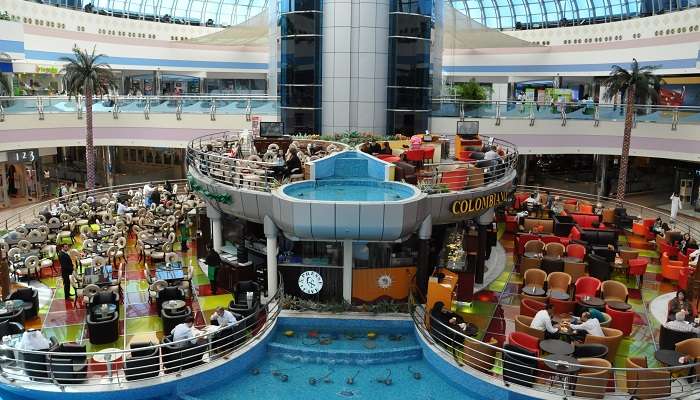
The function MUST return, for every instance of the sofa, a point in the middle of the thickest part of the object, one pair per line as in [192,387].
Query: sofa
[599,237]
[585,220]
[598,267]
[563,224]
[530,224]
[643,228]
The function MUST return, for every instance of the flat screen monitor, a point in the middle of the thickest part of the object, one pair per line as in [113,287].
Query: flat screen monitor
[271,129]
[467,128]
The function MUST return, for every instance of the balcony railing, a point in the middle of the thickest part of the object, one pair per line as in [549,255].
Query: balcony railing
[269,105]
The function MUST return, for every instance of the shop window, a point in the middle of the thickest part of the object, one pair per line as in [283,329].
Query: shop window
[385,255]
[311,253]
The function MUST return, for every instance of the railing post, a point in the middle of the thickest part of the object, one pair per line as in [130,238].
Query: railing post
[674,121]
[40,108]
[212,110]
[532,116]
[563,114]
[115,107]
[461,111]
[178,109]
[2,113]
[634,118]
[596,115]
[498,113]
[147,109]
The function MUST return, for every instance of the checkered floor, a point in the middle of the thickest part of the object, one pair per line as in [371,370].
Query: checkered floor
[494,309]
[66,321]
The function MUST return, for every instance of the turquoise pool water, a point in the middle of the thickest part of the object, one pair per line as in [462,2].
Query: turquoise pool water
[338,364]
[349,190]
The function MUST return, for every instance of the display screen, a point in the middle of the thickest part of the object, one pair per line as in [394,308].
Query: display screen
[270,129]
[467,128]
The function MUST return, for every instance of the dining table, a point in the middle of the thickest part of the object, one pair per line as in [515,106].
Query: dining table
[169,273]
[154,241]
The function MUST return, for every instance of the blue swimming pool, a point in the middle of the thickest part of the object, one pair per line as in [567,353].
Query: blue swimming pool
[371,362]
[350,190]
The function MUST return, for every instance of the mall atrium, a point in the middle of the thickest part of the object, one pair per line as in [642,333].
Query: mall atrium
[319,199]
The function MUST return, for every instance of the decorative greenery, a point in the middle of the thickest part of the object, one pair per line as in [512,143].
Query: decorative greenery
[5,84]
[352,138]
[469,90]
[220,198]
[5,16]
[381,307]
[432,188]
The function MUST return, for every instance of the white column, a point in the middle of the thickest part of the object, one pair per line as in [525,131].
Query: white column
[271,250]
[215,217]
[347,270]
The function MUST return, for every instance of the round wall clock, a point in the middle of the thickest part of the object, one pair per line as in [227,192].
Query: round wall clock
[310,282]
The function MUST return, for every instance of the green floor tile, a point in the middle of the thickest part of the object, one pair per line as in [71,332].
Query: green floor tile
[497,286]
[136,286]
[68,333]
[200,280]
[118,344]
[143,324]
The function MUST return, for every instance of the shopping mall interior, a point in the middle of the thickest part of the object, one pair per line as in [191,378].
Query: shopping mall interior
[310,199]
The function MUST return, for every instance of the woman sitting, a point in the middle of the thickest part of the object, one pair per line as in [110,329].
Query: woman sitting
[680,303]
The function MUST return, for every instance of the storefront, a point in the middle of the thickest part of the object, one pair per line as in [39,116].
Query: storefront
[45,80]
[21,178]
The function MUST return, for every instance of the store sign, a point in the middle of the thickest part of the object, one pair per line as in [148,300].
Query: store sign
[46,69]
[468,206]
[28,155]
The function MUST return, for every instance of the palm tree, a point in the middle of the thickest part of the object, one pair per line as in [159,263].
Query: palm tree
[637,85]
[86,75]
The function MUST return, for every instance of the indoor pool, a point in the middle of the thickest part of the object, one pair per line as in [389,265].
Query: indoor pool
[350,190]
[371,362]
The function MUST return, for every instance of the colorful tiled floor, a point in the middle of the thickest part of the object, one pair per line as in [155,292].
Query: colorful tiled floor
[494,310]
[66,321]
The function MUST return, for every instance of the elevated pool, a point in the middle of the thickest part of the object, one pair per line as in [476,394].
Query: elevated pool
[354,190]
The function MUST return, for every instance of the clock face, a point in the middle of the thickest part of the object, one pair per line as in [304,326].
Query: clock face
[310,282]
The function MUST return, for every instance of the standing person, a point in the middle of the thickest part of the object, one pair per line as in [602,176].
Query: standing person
[155,197]
[147,192]
[213,262]
[184,234]
[168,187]
[66,270]
[675,206]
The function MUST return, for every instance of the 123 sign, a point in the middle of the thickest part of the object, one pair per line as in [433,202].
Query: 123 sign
[28,155]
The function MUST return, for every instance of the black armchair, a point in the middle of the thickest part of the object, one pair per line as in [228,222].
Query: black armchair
[177,356]
[519,370]
[173,318]
[16,316]
[69,368]
[30,296]
[144,362]
[622,220]
[590,350]
[669,337]
[598,267]
[226,339]
[169,293]
[36,365]
[103,330]
[563,224]
[242,288]
[8,327]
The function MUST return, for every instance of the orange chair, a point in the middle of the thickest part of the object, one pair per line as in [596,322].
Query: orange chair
[670,269]
[585,208]
[529,307]
[576,250]
[454,180]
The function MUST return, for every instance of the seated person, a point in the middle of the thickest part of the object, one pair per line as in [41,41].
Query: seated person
[293,163]
[679,303]
[375,148]
[680,324]
[686,243]
[543,322]
[657,227]
[223,317]
[386,149]
[184,331]
[588,324]
[597,314]
[694,256]
[33,340]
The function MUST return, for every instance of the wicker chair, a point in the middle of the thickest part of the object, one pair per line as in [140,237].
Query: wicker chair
[612,339]
[592,379]
[559,281]
[534,277]
[522,324]
[646,384]
[614,291]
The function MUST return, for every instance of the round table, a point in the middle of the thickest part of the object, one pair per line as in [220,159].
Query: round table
[533,291]
[668,357]
[173,305]
[592,301]
[564,366]
[110,359]
[618,305]
[559,295]
[556,346]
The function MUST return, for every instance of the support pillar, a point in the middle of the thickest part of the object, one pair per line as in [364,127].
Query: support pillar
[423,268]
[601,163]
[271,232]
[347,270]
[484,221]
[523,170]
[215,219]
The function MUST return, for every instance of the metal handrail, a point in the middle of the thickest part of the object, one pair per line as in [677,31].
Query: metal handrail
[252,324]
[452,343]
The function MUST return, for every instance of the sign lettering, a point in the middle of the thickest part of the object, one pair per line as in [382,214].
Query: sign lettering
[468,206]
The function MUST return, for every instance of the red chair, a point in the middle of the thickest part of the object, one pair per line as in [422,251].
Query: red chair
[428,154]
[576,250]
[454,180]
[637,268]
[683,278]
[525,341]
[563,306]
[415,155]
[587,286]
[621,320]
[529,307]
[670,269]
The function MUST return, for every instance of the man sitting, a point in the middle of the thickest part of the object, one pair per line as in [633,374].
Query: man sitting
[223,317]
[588,324]
[543,322]
[185,331]
[679,324]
